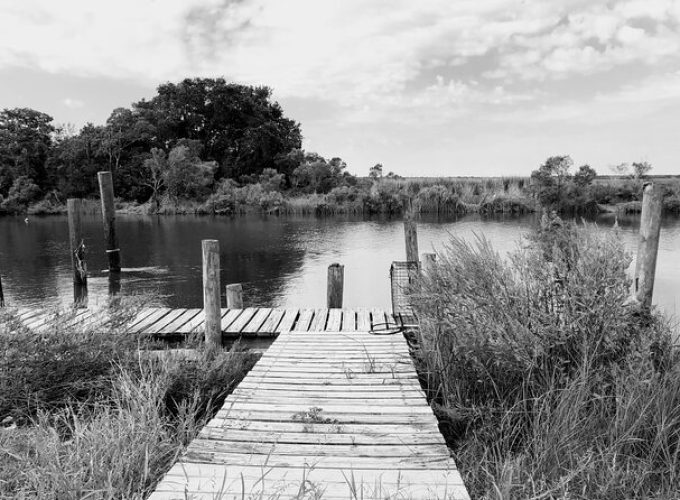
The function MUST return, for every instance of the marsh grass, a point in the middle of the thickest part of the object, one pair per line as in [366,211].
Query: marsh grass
[546,385]
[91,417]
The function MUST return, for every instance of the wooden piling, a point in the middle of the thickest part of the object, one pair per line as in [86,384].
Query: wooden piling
[109,220]
[235,296]
[429,261]
[336,282]
[411,239]
[211,293]
[648,246]
[74,208]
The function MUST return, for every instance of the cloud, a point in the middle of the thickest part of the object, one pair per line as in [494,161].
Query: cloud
[372,60]
[72,103]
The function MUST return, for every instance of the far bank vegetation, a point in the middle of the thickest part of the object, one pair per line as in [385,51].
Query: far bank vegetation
[207,146]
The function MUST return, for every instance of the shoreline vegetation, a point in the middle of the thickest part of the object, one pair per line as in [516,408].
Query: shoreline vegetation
[442,196]
[545,383]
[99,413]
[206,146]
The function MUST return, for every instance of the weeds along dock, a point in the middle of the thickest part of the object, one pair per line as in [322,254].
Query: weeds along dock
[329,411]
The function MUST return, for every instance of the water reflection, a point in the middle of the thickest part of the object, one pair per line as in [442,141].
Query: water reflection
[280,261]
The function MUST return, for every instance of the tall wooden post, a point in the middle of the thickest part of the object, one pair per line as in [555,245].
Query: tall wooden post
[211,293]
[74,207]
[429,261]
[109,219]
[336,282]
[235,296]
[648,246]
[411,237]
[2,295]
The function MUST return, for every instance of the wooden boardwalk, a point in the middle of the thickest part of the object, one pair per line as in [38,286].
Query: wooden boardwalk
[331,416]
[251,321]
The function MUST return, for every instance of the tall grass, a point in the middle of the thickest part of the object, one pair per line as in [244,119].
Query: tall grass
[93,417]
[547,385]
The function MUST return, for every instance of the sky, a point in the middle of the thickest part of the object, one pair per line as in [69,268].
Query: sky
[426,88]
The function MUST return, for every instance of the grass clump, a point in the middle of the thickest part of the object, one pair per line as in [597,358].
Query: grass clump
[94,416]
[546,384]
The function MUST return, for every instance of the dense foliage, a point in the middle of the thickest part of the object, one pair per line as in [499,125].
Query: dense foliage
[548,385]
[89,413]
[236,129]
[207,146]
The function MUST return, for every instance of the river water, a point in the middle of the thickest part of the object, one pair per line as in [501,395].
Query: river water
[281,261]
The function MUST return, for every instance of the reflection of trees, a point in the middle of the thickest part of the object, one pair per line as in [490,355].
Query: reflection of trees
[33,259]
[255,251]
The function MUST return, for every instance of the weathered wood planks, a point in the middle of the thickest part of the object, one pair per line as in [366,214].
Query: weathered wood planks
[359,434]
[251,321]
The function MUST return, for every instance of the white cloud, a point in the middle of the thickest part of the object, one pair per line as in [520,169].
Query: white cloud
[72,103]
[374,60]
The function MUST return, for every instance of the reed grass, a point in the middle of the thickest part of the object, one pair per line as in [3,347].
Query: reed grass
[546,384]
[88,415]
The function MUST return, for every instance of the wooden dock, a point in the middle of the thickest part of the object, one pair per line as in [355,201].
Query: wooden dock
[331,416]
[250,321]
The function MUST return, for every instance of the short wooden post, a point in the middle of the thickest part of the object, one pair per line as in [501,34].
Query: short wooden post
[411,237]
[74,208]
[648,246]
[80,295]
[211,293]
[109,219]
[235,296]
[336,283]
[429,261]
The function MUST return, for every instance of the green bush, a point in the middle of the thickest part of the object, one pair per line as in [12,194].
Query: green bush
[546,383]
[97,416]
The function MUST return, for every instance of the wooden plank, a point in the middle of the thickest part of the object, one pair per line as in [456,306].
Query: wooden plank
[242,320]
[202,445]
[37,320]
[344,463]
[257,321]
[349,321]
[334,403]
[385,391]
[363,320]
[273,394]
[181,320]
[319,321]
[288,320]
[355,483]
[334,320]
[330,409]
[399,431]
[304,320]
[375,438]
[344,381]
[229,317]
[273,321]
[194,324]
[141,315]
[150,319]
[158,326]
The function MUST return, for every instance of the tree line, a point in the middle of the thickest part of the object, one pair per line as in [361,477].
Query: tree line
[183,143]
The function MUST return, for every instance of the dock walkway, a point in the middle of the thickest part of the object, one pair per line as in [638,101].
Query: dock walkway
[251,321]
[326,416]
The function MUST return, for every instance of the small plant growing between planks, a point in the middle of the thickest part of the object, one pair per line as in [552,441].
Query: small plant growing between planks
[314,416]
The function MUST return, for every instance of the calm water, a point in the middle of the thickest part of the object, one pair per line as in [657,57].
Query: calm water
[280,261]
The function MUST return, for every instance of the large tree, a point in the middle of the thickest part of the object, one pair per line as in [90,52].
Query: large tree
[25,140]
[239,126]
